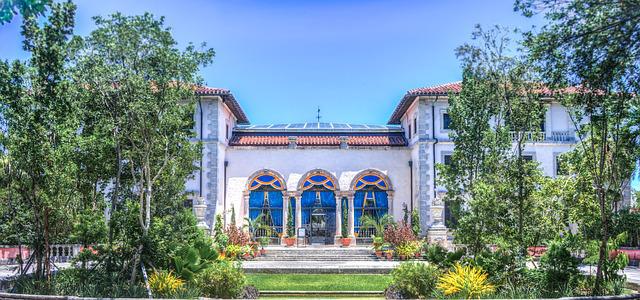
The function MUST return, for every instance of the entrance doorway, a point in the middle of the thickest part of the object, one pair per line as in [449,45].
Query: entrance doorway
[319,216]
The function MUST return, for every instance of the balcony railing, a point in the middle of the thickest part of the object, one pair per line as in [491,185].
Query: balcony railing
[538,136]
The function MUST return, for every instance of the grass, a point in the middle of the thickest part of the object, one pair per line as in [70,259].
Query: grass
[319,282]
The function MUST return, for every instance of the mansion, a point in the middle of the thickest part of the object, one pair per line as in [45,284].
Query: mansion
[316,172]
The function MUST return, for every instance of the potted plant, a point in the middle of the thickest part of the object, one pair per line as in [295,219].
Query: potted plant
[389,254]
[246,251]
[264,241]
[417,246]
[405,250]
[377,246]
[346,241]
[290,237]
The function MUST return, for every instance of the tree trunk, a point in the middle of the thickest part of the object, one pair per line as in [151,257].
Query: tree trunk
[47,262]
[602,253]
[114,196]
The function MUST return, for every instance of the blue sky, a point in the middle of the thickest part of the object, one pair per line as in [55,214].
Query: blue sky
[283,59]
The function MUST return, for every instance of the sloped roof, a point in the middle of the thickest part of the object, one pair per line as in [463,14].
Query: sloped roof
[227,98]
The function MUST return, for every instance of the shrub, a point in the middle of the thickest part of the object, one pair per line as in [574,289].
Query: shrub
[559,268]
[190,260]
[165,284]
[397,235]
[222,280]
[439,256]
[233,251]
[465,282]
[415,280]
[237,236]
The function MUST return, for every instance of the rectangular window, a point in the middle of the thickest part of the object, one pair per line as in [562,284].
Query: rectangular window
[415,125]
[559,169]
[446,121]
[447,160]
[409,131]
[527,157]
[227,131]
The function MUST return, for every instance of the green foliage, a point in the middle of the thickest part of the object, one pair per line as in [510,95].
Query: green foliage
[164,284]
[344,229]
[559,267]
[415,222]
[465,282]
[222,280]
[89,228]
[415,280]
[291,231]
[191,260]
[27,8]
[407,249]
[627,221]
[613,262]
[379,224]
[440,257]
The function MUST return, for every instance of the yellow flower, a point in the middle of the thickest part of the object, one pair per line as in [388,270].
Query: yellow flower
[164,283]
[466,282]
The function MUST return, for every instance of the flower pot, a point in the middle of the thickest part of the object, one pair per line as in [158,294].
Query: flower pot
[263,251]
[245,256]
[345,242]
[389,256]
[289,241]
[403,257]
[417,254]
[378,253]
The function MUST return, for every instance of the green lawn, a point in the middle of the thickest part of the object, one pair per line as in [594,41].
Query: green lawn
[319,282]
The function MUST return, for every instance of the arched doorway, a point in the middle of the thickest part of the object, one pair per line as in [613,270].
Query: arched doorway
[265,202]
[371,198]
[318,206]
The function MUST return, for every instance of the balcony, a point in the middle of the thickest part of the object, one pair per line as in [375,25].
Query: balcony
[539,137]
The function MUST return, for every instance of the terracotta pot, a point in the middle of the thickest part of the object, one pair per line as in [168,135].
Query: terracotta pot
[245,256]
[378,253]
[289,241]
[402,257]
[345,242]
[263,251]
[417,254]
[389,256]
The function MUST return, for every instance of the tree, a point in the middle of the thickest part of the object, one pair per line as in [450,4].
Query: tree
[493,188]
[40,115]
[28,8]
[589,55]
[141,88]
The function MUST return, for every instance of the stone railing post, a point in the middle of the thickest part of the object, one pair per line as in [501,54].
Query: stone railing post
[338,215]
[199,210]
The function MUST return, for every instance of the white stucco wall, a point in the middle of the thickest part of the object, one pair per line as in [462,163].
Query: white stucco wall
[292,164]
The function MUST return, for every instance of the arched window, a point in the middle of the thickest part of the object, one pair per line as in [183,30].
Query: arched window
[265,201]
[370,199]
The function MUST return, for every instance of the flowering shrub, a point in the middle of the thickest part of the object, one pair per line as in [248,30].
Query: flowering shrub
[397,235]
[165,284]
[236,235]
[465,282]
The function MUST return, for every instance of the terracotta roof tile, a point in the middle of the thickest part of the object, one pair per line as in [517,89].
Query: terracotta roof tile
[227,98]
[318,140]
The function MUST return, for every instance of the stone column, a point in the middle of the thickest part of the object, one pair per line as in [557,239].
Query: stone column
[285,211]
[245,203]
[390,203]
[350,196]
[338,216]
[298,197]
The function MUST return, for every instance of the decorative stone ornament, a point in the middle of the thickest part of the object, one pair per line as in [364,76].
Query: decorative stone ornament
[199,210]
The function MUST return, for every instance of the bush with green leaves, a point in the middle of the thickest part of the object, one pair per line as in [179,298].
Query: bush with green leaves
[191,260]
[559,268]
[439,256]
[222,280]
[415,279]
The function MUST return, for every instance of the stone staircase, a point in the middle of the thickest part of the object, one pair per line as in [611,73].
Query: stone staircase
[316,260]
[328,254]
